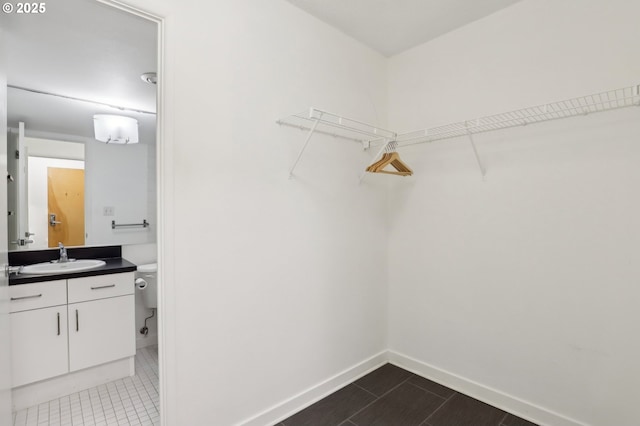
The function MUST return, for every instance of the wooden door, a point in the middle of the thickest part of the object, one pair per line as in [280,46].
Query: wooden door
[66,201]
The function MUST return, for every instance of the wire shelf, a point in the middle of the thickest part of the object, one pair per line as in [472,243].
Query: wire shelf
[337,126]
[599,102]
[317,121]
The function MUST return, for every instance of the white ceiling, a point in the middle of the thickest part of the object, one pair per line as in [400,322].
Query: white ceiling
[85,49]
[393,26]
[82,49]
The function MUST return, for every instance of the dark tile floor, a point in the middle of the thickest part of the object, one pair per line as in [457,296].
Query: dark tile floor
[391,396]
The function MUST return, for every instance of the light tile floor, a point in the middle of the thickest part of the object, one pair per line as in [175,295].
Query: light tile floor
[132,401]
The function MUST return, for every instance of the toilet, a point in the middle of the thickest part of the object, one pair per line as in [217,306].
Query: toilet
[147,284]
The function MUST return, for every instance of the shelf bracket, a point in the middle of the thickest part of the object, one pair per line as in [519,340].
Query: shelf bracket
[483,171]
[306,142]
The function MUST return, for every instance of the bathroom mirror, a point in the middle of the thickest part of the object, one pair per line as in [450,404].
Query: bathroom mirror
[63,184]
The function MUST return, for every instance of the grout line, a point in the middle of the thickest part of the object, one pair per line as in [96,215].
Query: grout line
[131,399]
[503,419]
[432,393]
[144,388]
[137,384]
[99,398]
[145,363]
[150,364]
[375,400]
[110,400]
[364,390]
[93,411]
[59,411]
[425,421]
[153,367]
[81,410]
[104,413]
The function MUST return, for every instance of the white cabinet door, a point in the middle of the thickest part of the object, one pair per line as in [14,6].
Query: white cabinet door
[101,331]
[38,344]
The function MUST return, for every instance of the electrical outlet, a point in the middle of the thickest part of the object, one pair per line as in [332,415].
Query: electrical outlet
[108,211]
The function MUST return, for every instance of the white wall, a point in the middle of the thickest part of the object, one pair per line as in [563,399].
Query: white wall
[272,285]
[522,287]
[117,176]
[124,177]
[54,148]
[152,191]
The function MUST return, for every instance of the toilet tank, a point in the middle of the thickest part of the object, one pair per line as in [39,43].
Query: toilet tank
[147,284]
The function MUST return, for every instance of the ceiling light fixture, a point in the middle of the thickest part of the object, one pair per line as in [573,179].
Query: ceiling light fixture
[115,129]
[150,77]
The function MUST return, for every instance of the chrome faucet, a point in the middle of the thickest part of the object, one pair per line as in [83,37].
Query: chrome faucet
[63,254]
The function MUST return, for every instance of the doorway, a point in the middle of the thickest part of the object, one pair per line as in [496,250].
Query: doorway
[65,206]
[149,120]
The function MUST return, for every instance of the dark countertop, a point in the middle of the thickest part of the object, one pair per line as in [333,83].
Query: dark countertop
[114,265]
[112,255]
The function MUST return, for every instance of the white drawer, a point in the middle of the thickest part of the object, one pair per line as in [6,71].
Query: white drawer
[100,287]
[24,297]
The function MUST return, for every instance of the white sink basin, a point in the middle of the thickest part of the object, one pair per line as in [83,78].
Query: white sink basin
[49,268]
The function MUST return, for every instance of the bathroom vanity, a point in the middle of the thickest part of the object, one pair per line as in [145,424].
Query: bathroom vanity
[71,331]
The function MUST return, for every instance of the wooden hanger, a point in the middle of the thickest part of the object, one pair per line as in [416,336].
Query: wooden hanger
[392,158]
[372,168]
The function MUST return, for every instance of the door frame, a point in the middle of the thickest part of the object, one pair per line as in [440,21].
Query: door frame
[5,334]
[164,208]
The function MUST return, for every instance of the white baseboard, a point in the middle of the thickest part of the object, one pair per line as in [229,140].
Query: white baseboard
[67,384]
[281,411]
[496,398]
[511,404]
